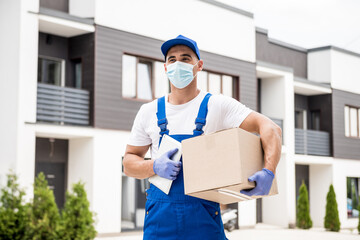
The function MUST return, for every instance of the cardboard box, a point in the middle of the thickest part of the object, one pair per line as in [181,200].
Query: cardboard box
[217,166]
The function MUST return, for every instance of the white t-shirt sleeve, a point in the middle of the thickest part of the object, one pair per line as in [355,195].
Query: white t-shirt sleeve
[138,136]
[233,112]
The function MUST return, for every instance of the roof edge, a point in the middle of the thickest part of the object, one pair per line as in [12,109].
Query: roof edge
[287,45]
[63,15]
[261,30]
[331,47]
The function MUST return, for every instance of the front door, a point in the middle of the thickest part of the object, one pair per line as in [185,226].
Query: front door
[51,159]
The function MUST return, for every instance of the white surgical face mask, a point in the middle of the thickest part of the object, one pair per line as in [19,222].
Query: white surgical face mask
[180,74]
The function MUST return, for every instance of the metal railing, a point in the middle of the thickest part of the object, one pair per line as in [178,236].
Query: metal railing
[62,105]
[312,142]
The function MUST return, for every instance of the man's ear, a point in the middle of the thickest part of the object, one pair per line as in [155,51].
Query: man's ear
[200,65]
[165,67]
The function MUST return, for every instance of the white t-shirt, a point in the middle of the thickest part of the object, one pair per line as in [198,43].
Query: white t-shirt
[223,113]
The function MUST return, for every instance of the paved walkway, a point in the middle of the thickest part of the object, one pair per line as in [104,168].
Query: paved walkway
[266,232]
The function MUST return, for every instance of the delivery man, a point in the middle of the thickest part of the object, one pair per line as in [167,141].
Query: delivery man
[184,113]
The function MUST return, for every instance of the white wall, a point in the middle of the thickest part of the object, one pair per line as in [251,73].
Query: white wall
[215,29]
[95,158]
[18,79]
[109,147]
[82,8]
[273,97]
[345,73]
[335,67]
[81,165]
[280,209]
[320,178]
[343,168]
[277,101]
[247,213]
[319,66]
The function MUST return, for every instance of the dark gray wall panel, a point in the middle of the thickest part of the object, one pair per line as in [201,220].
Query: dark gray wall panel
[44,148]
[244,71]
[114,112]
[82,47]
[68,49]
[60,5]
[323,104]
[301,102]
[344,147]
[274,53]
[56,47]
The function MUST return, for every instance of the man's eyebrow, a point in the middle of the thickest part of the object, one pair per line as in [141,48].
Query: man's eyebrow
[170,57]
[186,55]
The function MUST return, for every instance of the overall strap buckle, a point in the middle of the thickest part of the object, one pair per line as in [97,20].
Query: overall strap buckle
[162,123]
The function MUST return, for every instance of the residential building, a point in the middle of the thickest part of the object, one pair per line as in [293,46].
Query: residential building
[73,75]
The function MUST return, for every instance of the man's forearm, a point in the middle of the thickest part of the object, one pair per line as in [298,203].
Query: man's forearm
[137,167]
[270,135]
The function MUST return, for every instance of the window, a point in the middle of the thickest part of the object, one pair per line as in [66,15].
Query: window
[353,190]
[217,83]
[77,73]
[300,119]
[51,71]
[351,121]
[315,120]
[143,78]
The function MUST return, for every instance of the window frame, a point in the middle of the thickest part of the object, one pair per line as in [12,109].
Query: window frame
[149,62]
[304,118]
[358,196]
[311,112]
[235,82]
[349,121]
[140,58]
[235,79]
[62,72]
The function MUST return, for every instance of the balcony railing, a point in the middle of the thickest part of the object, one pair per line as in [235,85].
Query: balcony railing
[312,142]
[62,105]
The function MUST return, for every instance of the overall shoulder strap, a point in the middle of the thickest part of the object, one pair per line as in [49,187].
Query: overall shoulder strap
[161,116]
[200,121]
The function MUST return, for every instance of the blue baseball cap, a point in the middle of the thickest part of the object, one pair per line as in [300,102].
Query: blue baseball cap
[180,40]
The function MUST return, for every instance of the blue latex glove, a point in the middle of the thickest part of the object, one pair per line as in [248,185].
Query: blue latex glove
[165,167]
[263,180]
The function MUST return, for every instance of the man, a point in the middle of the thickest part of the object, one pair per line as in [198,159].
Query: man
[176,215]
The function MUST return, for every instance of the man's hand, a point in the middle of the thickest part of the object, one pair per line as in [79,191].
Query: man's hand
[263,180]
[165,167]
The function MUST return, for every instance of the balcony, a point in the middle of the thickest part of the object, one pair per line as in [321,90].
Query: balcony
[312,142]
[62,105]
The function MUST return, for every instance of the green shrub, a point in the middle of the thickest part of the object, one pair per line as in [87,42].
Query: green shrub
[14,213]
[76,218]
[45,215]
[303,219]
[331,221]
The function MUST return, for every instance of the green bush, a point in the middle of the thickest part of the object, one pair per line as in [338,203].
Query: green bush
[14,212]
[45,215]
[77,220]
[331,221]
[303,219]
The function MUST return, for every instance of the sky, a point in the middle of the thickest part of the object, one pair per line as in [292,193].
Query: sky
[307,23]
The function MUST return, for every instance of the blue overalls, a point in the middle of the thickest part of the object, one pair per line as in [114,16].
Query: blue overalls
[178,216]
